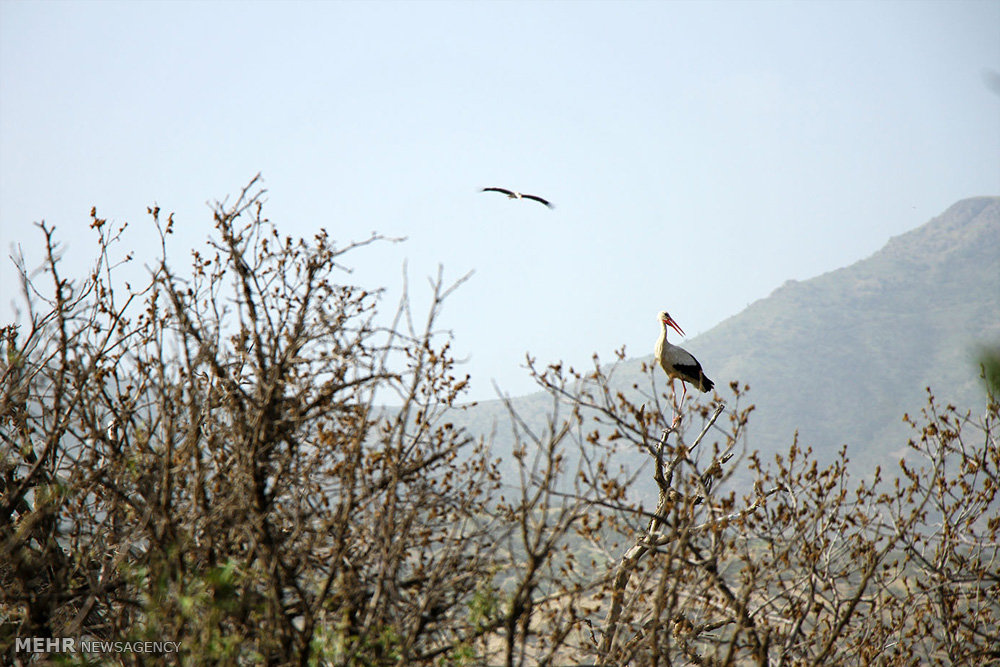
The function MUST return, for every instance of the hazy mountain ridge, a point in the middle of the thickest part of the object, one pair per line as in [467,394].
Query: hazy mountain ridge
[907,317]
[840,357]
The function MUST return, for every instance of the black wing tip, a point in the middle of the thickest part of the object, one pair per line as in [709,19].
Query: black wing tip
[694,376]
[540,200]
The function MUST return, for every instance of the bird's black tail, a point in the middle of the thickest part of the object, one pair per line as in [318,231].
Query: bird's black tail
[705,384]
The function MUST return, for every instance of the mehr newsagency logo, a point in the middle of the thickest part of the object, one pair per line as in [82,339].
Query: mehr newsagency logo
[74,645]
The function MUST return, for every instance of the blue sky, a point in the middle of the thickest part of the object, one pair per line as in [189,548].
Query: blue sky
[698,154]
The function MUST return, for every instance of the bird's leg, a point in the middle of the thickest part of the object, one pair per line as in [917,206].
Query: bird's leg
[673,398]
[679,406]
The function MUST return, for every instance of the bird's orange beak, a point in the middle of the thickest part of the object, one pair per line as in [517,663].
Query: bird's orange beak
[669,321]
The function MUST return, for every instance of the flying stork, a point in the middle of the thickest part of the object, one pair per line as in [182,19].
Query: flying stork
[677,362]
[514,194]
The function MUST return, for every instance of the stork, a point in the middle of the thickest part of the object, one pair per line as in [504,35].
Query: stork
[514,194]
[677,362]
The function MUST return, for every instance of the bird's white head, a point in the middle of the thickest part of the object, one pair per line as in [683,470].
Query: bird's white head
[668,321]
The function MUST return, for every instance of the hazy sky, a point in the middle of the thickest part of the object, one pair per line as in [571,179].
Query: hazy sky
[698,154]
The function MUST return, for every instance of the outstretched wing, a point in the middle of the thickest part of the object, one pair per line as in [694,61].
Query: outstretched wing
[536,198]
[506,192]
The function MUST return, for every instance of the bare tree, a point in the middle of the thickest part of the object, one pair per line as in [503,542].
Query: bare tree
[804,567]
[207,458]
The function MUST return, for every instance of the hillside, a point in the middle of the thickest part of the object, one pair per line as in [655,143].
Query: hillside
[842,356]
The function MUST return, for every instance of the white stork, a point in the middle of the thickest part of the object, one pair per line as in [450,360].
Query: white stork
[677,362]
[513,194]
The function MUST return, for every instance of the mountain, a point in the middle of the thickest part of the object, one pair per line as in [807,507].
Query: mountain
[841,357]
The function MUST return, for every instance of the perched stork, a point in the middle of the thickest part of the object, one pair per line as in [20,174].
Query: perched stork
[513,194]
[677,362]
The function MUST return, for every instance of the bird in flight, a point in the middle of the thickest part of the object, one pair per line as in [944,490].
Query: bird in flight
[513,194]
[677,362]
